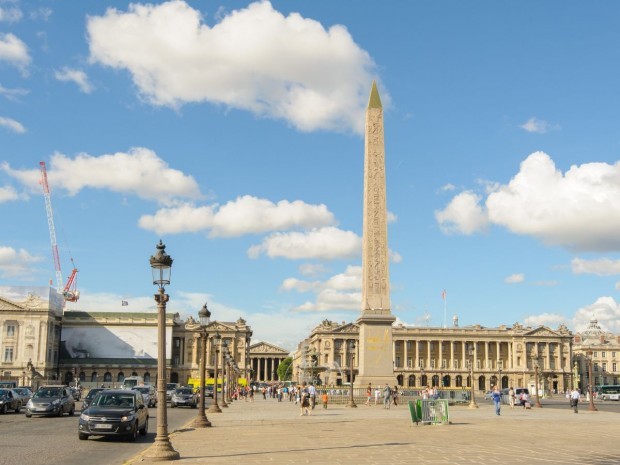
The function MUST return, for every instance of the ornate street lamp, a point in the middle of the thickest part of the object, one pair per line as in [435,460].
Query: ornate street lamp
[161,265]
[351,402]
[538,404]
[204,316]
[472,402]
[223,402]
[229,398]
[591,380]
[217,339]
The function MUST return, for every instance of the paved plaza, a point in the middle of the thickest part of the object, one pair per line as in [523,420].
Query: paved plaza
[267,431]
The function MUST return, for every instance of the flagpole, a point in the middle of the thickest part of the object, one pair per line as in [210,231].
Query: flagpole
[445,308]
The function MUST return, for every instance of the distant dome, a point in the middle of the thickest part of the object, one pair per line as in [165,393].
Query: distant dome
[593,330]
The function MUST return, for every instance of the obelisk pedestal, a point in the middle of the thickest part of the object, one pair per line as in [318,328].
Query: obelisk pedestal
[376,363]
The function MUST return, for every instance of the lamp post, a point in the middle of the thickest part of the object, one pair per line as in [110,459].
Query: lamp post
[223,353]
[215,408]
[161,265]
[204,315]
[591,407]
[538,404]
[351,402]
[228,371]
[501,385]
[472,402]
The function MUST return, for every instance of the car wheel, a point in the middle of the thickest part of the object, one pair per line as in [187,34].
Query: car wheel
[145,430]
[82,436]
[18,408]
[134,433]
[60,412]
[28,415]
[72,411]
[172,405]
[3,409]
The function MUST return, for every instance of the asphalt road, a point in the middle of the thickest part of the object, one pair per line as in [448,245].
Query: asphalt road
[54,441]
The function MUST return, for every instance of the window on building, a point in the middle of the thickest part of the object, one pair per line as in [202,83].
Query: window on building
[444,363]
[147,377]
[176,360]
[410,362]
[120,377]
[8,354]
[398,361]
[10,330]
[107,377]
[93,377]
[177,342]
[603,354]
[595,354]
[409,345]
[421,363]
[456,364]
[432,363]
[604,366]
[595,366]
[614,367]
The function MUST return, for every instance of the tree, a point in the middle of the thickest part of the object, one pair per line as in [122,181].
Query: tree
[285,369]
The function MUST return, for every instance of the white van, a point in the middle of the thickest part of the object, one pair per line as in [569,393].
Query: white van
[133,381]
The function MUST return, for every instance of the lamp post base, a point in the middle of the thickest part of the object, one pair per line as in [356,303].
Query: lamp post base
[592,408]
[201,422]
[473,405]
[351,404]
[161,452]
[214,409]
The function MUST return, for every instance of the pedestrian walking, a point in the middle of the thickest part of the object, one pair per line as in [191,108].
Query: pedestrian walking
[497,399]
[305,401]
[325,398]
[312,392]
[368,394]
[575,395]
[387,396]
[395,395]
[377,394]
[511,397]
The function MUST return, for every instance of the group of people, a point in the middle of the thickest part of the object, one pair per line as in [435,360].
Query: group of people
[390,395]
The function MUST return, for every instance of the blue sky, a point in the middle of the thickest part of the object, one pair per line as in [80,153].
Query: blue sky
[233,131]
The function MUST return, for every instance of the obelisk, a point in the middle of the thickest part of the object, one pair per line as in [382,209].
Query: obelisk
[376,364]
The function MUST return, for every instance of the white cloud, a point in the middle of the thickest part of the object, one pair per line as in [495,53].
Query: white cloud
[448,187]
[515,278]
[16,263]
[605,309]
[254,59]
[463,215]
[326,243]
[391,217]
[8,194]
[312,269]
[13,125]
[538,126]
[74,75]
[42,14]
[340,292]
[244,215]
[12,94]
[10,14]
[128,173]
[551,320]
[600,267]
[579,209]
[13,50]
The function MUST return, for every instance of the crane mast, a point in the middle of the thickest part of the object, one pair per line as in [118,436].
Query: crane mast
[68,291]
[50,224]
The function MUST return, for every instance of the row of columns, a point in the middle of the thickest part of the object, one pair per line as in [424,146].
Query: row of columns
[265,368]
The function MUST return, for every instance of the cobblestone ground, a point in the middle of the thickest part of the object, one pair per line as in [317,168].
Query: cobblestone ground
[272,432]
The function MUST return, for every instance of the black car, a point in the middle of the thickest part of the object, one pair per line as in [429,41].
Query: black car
[90,396]
[9,400]
[115,412]
[51,400]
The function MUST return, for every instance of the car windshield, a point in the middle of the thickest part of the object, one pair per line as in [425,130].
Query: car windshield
[92,393]
[4,392]
[48,392]
[114,400]
[171,386]
[183,391]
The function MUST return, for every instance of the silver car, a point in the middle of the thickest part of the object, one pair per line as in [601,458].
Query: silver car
[149,395]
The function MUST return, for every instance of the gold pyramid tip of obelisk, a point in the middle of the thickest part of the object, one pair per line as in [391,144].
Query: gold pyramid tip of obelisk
[374,101]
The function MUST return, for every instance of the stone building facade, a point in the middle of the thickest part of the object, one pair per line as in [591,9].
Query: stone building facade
[265,359]
[30,331]
[431,356]
[602,349]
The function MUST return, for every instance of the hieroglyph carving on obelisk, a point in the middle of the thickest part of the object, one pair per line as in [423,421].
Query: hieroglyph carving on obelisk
[376,276]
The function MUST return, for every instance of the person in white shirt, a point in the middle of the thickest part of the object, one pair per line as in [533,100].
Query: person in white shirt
[575,395]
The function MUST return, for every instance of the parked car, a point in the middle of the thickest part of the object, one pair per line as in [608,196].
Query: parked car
[149,395]
[209,390]
[183,397]
[115,412]
[51,400]
[88,398]
[170,388]
[24,393]
[9,400]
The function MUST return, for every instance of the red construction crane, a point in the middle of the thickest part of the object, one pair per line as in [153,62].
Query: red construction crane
[69,291]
